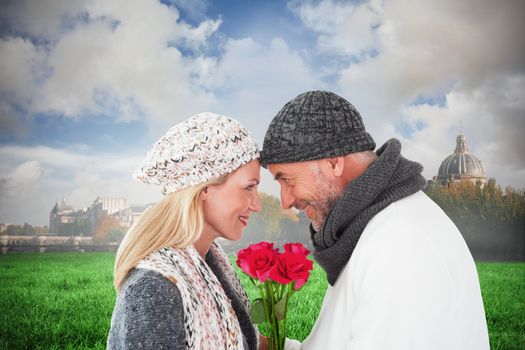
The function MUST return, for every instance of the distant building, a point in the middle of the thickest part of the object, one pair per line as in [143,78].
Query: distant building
[461,166]
[136,211]
[3,227]
[63,214]
[117,207]
[110,205]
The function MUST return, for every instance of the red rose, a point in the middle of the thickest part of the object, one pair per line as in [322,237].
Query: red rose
[291,267]
[257,260]
[276,275]
[296,248]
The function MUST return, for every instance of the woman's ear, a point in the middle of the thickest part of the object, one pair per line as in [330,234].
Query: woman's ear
[204,194]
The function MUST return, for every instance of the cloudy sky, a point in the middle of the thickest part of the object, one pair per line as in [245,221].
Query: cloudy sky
[86,86]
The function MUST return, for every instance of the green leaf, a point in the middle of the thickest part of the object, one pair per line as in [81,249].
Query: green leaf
[279,309]
[258,311]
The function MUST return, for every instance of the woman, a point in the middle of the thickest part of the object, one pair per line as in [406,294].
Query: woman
[176,287]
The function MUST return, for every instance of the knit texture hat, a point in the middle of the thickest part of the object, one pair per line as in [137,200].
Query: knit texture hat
[315,125]
[201,148]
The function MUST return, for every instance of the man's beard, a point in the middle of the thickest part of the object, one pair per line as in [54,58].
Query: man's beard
[326,196]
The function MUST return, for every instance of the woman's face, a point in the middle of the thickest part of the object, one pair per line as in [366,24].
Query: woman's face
[227,207]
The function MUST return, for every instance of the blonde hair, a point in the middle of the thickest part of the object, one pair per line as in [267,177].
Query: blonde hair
[176,221]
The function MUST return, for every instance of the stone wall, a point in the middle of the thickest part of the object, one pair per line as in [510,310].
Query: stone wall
[48,243]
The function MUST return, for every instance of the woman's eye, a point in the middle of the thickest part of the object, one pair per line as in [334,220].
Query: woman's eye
[251,187]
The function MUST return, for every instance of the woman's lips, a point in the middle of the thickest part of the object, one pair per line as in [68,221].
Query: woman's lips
[244,220]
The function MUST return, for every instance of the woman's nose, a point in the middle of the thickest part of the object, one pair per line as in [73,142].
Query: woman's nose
[255,204]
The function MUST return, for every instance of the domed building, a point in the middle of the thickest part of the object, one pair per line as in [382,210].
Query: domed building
[461,166]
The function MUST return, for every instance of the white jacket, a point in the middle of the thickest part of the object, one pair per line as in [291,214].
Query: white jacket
[411,283]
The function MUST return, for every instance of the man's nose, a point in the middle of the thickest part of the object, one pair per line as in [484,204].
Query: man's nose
[287,199]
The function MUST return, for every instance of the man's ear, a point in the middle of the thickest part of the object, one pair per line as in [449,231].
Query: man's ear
[337,165]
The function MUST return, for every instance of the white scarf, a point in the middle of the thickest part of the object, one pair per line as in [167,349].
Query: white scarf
[210,321]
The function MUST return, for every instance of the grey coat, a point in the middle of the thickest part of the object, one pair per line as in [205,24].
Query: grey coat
[149,314]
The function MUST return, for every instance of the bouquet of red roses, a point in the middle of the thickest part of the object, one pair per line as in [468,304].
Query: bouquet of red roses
[277,276]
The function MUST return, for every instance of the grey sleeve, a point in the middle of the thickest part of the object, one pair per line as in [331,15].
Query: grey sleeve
[148,314]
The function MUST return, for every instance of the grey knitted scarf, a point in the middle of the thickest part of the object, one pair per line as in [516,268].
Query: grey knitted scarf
[389,178]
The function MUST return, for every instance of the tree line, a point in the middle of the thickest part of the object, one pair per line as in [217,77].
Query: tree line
[273,223]
[25,230]
[107,229]
[491,219]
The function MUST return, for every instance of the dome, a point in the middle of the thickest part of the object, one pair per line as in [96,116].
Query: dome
[461,164]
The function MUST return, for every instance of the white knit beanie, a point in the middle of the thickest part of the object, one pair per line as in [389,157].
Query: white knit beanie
[201,148]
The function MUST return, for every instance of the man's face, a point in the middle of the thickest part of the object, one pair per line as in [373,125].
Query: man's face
[308,187]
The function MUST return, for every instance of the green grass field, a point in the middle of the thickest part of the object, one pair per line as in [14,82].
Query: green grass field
[65,300]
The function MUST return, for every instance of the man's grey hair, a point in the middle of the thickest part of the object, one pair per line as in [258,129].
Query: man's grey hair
[365,157]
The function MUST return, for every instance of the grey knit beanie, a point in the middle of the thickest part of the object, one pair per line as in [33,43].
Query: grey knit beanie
[315,125]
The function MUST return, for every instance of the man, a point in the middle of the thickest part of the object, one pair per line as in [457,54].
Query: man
[400,273]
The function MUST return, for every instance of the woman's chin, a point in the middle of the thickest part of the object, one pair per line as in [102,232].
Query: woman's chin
[236,238]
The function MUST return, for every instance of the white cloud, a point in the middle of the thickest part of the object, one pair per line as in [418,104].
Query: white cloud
[195,9]
[111,59]
[20,62]
[426,46]
[468,51]
[344,28]
[42,19]
[10,122]
[255,81]
[39,176]
[493,121]
[140,60]
[21,178]
[120,60]
[19,188]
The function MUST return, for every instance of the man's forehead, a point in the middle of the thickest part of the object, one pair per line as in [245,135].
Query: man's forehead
[285,169]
